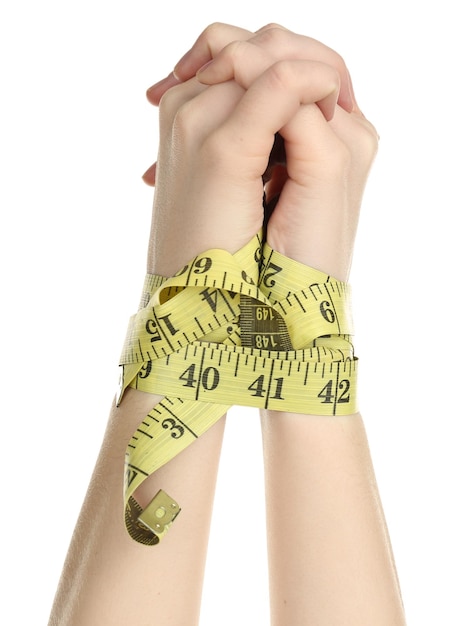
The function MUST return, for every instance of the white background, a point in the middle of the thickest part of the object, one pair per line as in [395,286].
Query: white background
[76,133]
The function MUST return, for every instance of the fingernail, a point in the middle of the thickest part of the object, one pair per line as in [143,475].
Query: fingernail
[155,91]
[160,82]
[179,65]
[204,67]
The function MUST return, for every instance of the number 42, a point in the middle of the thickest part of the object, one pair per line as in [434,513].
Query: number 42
[327,395]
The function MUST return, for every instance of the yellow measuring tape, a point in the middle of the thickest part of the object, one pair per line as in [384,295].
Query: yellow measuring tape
[256,328]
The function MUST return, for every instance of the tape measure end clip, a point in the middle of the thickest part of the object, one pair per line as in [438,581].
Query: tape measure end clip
[159,514]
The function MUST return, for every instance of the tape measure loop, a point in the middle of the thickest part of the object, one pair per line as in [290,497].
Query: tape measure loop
[254,327]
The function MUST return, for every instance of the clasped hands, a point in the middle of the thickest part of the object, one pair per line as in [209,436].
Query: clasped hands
[228,98]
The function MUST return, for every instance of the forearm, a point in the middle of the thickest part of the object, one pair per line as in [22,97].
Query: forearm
[110,579]
[329,551]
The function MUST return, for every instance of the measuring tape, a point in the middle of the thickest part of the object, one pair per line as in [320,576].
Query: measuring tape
[254,329]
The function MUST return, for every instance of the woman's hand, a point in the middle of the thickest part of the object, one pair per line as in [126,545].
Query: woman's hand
[204,196]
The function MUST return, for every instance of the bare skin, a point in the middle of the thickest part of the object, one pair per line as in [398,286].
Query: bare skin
[333,562]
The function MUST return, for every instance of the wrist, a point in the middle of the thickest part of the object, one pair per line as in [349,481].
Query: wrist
[317,234]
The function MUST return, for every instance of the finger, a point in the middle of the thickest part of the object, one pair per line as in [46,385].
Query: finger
[244,62]
[176,97]
[281,43]
[149,175]
[239,60]
[156,91]
[189,119]
[269,27]
[271,101]
[205,48]
[211,41]
[287,44]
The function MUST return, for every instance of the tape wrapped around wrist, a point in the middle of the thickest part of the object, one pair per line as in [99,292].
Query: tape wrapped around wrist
[253,329]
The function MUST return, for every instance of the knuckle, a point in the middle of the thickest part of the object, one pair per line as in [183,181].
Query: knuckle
[368,142]
[178,104]
[236,49]
[177,115]
[210,33]
[165,103]
[335,78]
[271,26]
[272,34]
[170,100]
[328,75]
[281,74]
[183,120]
[339,62]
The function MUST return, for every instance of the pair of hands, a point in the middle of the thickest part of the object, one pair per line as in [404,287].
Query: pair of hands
[220,111]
